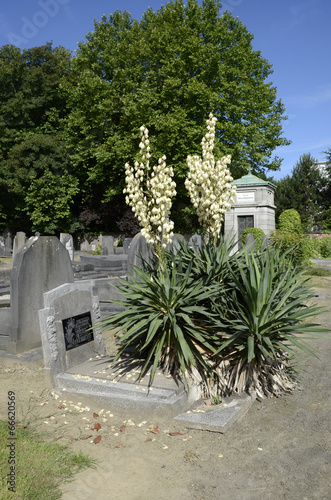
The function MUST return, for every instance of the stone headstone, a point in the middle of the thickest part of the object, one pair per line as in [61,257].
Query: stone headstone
[5,252]
[139,250]
[88,245]
[68,241]
[40,265]
[68,326]
[8,241]
[195,240]
[126,245]
[175,245]
[250,241]
[19,242]
[265,242]
[107,245]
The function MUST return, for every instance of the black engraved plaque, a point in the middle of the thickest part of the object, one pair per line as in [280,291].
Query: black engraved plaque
[77,330]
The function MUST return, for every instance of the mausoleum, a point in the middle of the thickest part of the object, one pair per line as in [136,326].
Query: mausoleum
[253,207]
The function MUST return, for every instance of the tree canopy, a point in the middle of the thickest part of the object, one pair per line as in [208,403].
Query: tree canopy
[167,72]
[31,141]
[73,122]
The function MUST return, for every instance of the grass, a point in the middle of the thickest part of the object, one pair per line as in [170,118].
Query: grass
[317,271]
[40,467]
[6,260]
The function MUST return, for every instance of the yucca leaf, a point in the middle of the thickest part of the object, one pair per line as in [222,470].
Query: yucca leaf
[250,348]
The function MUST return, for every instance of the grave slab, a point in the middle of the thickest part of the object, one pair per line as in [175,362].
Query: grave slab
[218,418]
[104,382]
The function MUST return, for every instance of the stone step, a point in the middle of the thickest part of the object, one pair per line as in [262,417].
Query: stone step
[3,341]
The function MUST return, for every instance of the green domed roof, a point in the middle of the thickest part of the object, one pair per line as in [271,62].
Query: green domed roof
[251,180]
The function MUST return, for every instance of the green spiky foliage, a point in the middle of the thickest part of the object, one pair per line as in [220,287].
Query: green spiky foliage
[265,325]
[165,321]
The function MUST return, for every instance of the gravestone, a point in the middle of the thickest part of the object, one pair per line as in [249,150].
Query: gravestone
[40,265]
[107,245]
[88,245]
[139,250]
[126,245]
[19,242]
[195,240]
[6,246]
[68,241]
[175,244]
[8,240]
[68,326]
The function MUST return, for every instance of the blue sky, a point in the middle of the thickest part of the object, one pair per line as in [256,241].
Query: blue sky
[292,34]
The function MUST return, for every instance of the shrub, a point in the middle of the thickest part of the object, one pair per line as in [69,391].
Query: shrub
[289,244]
[290,222]
[307,249]
[98,250]
[316,247]
[263,325]
[164,322]
[258,236]
[326,247]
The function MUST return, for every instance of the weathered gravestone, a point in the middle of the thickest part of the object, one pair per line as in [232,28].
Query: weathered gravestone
[8,240]
[139,250]
[68,241]
[68,326]
[175,244]
[195,240]
[5,246]
[19,242]
[107,245]
[126,245]
[40,265]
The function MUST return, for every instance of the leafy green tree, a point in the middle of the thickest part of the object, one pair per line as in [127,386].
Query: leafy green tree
[31,111]
[305,190]
[167,72]
[290,222]
[48,202]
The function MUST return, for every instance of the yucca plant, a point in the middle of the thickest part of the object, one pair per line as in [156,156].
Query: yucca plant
[165,320]
[264,326]
[210,262]
[210,265]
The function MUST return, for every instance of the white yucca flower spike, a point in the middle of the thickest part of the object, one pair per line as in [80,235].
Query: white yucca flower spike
[209,183]
[149,193]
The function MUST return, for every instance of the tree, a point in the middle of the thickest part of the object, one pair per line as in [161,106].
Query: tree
[167,72]
[31,111]
[48,202]
[305,191]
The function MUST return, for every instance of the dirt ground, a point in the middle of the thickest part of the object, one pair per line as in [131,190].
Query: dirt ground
[280,450]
